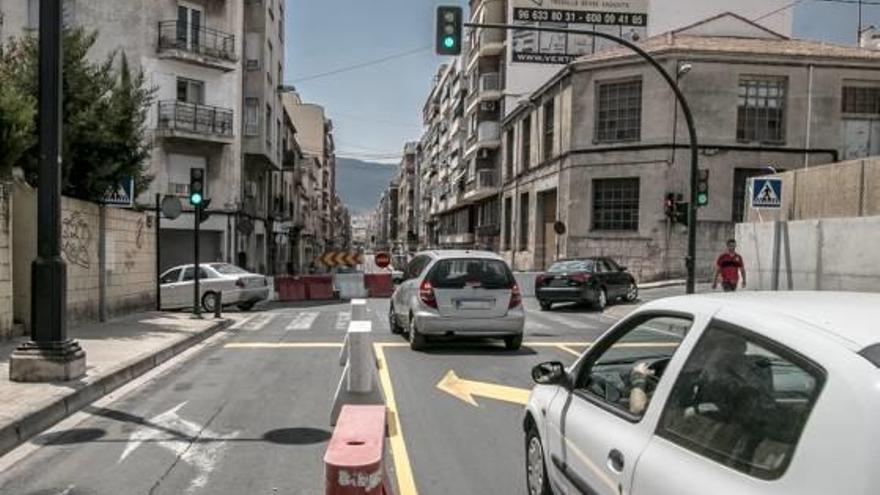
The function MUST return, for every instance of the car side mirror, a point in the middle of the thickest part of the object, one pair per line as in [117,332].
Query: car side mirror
[550,373]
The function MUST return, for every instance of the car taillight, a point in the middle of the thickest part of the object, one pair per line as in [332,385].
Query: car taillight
[540,279]
[239,283]
[579,278]
[426,294]
[515,297]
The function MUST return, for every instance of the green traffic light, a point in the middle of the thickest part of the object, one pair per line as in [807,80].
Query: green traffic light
[449,42]
[195,199]
[702,199]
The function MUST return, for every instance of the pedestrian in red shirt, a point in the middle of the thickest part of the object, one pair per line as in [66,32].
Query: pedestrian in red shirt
[729,267]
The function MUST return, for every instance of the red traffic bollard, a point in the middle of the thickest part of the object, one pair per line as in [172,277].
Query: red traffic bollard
[354,463]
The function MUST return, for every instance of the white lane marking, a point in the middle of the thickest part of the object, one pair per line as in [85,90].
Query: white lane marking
[580,324]
[303,321]
[342,320]
[242,323]
[182,437]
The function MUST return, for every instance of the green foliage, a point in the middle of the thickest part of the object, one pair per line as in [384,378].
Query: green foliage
[17,131]
[104,115]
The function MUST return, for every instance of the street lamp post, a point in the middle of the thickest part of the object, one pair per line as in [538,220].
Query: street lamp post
[690,260]
[49,355]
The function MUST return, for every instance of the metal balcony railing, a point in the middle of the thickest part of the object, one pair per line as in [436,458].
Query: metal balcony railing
[178,35]
[490,82]
[191,117]
[488,131]
[487,179]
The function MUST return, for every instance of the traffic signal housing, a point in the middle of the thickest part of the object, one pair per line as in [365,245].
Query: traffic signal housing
[196,186]
[703,188]
[204,214]
[449,30]
[675,208]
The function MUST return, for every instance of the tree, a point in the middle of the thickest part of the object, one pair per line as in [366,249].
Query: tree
[17,131]
[104,115]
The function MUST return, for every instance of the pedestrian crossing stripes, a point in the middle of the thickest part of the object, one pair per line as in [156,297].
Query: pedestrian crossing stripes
[342,320]
[303,321]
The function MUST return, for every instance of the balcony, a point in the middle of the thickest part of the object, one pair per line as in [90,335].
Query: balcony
[488,90]
[193,122]
[490,43]
[197,44]
[488,136]
[484,185]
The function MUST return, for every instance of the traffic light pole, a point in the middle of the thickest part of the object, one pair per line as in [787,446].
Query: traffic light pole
[690,260]
[197,305]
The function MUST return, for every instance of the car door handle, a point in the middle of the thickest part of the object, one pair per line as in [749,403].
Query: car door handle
[616,461]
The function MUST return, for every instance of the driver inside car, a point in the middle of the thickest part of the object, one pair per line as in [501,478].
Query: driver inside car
[640,393]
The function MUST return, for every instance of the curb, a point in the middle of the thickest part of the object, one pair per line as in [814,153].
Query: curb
[663,283]
[25,427]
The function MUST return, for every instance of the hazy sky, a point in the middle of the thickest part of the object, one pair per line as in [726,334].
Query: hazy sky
[377,108]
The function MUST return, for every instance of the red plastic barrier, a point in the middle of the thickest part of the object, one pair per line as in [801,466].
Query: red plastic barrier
[319,287]
[379,284]
[354,463]
[290,288]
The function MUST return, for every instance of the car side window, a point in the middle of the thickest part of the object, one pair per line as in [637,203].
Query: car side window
[611,265]
[170,277]
[415,267]
[625,374]
[188,274]
[602,267]
[742,401]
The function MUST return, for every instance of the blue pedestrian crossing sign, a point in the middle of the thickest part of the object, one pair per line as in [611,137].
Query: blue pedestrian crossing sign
[121,194]
[767,193]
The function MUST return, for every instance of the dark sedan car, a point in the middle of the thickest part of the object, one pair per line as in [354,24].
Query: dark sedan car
[596,281]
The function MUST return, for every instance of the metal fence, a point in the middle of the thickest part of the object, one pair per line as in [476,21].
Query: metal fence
[195,118]
[179,35]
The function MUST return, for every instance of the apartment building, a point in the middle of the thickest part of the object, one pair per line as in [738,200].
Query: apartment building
[407,229]
[601,145]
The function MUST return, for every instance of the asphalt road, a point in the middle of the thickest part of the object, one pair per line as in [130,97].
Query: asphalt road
[236,419]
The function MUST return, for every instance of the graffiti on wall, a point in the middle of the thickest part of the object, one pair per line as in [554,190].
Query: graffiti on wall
[76,237]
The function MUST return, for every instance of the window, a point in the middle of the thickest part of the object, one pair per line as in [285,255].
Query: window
[171,277]
[623,374]
[742,401]
[190,91]
[741,178]
[488,213]
[508,222]
[251,116]
[761,110]
[189,272]
[616,204]
[227,269]
[861,100]
[526,143]
[189,27]
[508,156]
[572,266]
[619,111]
[268,129]
[524,222]
[268,55]
[458,273]
[549,117]
[417,266]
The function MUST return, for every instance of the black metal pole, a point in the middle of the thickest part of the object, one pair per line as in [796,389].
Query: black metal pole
[49,271]
[197,309]
[690,260]
[158,252]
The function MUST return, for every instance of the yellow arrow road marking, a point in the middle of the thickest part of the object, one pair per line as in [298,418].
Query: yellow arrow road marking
[465,390]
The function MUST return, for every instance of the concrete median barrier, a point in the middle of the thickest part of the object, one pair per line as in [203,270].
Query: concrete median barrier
[350,285]
[526,282]
[354,463]
[359,383]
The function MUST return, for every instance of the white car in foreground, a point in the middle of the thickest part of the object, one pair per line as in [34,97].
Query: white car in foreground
[228,283]
[755,393]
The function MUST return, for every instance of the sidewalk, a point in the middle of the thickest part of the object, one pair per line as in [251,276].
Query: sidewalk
[116,352]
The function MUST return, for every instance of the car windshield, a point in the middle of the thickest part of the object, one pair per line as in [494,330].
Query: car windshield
[572,266]
[455,274]
[226,269]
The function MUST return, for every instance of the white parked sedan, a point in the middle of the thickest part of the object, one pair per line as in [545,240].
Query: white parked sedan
[744,394]
[232,285]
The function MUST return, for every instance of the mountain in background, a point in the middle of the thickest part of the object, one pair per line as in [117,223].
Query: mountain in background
[360,184]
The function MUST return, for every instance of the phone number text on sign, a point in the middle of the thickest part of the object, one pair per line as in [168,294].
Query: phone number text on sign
[580,17]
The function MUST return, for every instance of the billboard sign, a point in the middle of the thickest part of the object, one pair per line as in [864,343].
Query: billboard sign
[626,19]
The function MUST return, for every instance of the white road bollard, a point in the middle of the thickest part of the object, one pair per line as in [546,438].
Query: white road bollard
[359,383]
[359,310]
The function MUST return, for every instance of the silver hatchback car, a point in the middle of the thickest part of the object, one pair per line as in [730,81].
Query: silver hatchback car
[458,294]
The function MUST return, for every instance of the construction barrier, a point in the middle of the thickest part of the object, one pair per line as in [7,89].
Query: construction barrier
[359,383]
[354,463]
[291,289]
[350,285]
[379,285]
[526,282]
[319,287]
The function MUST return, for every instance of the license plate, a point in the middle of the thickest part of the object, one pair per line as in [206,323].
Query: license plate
[559,282]
[479,304]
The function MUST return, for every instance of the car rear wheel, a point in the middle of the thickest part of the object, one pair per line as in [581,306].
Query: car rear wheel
[602,299]
[536,468]
[546,305]
[417,341]
[396,329]
[209,302]
[513,343]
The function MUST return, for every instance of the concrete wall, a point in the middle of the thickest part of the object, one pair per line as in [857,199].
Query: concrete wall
[846,189]
[812,254]
[6,262]
[129,263]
